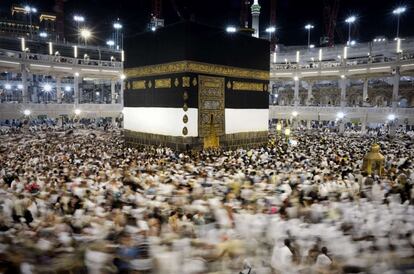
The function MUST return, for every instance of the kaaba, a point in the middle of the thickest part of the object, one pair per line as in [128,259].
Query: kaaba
[194,86]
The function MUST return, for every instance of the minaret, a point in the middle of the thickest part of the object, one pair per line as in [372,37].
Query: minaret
[255,18]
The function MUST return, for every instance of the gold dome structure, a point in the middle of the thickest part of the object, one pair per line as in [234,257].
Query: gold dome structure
[374,161]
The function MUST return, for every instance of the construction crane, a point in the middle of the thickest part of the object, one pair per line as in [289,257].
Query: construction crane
[156,21]
[244,18]
[244,13]
[156,8]
[60,18]
[273,39]
[330,14]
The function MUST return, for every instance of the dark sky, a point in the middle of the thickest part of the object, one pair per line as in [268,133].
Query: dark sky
[374,16]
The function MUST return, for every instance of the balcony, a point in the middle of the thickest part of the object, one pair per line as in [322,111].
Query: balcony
[15,111]
[371,114]
[349,68]
[12,60]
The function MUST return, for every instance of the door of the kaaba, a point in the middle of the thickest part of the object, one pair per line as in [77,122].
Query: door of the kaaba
[210,109]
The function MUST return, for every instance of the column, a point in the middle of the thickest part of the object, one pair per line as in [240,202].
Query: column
[113,94]
[76,90]
[365,92]
[113,122]
[296,93]
[395,88]
[59,89]
[308,101]
[121,93]
[342,84]
[102,92]
[341,126]
[309,124]
[25,93]
[364,124]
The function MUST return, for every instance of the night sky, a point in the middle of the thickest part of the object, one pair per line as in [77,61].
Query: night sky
[375,17]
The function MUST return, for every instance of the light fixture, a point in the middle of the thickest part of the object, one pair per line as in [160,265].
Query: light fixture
[97,93]
[110,43]
[51,48]
[309,26]
[123,76]
[75,51]
[342,76]
[43,34]
[76,74]
[23,44]
[350,19]
[47,87]
[353,43]
[78,18]
[340,115]
[271,29]
[153,28]
[30,9]
[85,33]
[399,45]
[391,117]
[296,78]
[231,29]
[8,86]
[295,113]
[399,10]
[77,111]
[27,112]
[345,52]
[20,86]
[117,25]
[67,88]
[311,46]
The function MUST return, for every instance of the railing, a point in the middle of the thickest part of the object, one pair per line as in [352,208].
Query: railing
[347,63]
[310,112]
[24,56]
[373,49]
[13,111]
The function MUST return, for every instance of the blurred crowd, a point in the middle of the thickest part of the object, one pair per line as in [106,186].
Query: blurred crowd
[80,201]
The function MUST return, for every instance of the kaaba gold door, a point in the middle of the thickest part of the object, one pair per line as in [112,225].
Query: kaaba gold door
[211,110]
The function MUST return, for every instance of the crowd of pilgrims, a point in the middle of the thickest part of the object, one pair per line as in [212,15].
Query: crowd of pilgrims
[81,201]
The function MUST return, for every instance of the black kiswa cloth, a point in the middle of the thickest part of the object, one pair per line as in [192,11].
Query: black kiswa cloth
[196,42]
